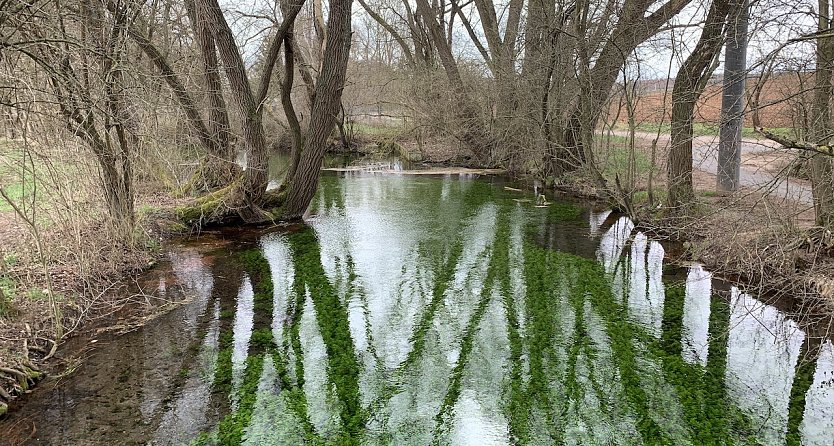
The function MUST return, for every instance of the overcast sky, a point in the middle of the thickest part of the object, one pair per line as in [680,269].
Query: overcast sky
[772,22]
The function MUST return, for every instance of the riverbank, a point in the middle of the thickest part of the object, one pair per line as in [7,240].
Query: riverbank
[762,237]
[75,273]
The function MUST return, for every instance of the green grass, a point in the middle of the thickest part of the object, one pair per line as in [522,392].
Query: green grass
[704,129]
[17,191]
[8,287]
[373,131]
[615,163]
[44,172]
[36,294]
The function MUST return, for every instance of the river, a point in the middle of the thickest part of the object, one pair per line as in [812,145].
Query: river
[445,310]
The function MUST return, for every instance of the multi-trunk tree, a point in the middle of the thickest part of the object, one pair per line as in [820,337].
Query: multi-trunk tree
[243,193]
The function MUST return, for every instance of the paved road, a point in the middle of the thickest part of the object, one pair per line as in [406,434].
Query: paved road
[755,154]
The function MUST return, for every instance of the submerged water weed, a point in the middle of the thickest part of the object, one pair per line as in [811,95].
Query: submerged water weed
[332,319]
[257,267]
[230,431]
[498,265]
[802,382]
[581,368]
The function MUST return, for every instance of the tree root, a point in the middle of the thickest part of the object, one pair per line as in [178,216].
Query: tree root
[214,207]
[22,379]
[229,205]
[212,174]
[18,379]
[52,351]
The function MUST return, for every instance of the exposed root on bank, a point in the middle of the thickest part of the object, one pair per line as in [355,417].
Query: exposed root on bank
[212,174]
[18,379]
[231,204]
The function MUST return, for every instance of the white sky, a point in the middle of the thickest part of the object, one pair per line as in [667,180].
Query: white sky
[772,22]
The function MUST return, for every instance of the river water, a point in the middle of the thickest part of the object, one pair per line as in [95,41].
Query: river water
[448,310]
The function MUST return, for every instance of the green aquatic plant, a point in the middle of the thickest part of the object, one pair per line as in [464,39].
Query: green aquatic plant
[541,313]
[331,316]
[579,369]
[230,430]
[223,369]
[498,264]
[622,334]
[802,382]
[256,265]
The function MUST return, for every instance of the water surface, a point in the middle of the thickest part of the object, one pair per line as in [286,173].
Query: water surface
[447,311]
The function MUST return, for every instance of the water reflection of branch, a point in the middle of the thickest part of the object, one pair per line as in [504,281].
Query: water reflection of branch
[497,259]
[332,318]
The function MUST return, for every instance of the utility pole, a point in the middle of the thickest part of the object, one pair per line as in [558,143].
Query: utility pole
[732,102]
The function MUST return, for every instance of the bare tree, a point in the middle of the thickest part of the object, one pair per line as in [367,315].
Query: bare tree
[82,55]
[689,84]
[822,167]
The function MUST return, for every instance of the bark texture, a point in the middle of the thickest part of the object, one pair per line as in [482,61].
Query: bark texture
[689,84]
[822,167]
[331,80]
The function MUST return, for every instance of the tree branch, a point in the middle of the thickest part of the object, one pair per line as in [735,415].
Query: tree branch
[388,27]
[180,93]
[274,48]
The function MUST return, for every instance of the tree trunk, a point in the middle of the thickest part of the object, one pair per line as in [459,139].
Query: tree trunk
[633,28]
[822,170]
[689,84]
[732,104]
[219,168]
[325,108]
[255,153]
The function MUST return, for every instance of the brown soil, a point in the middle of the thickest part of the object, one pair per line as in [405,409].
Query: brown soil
[87,288]
[782,96]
